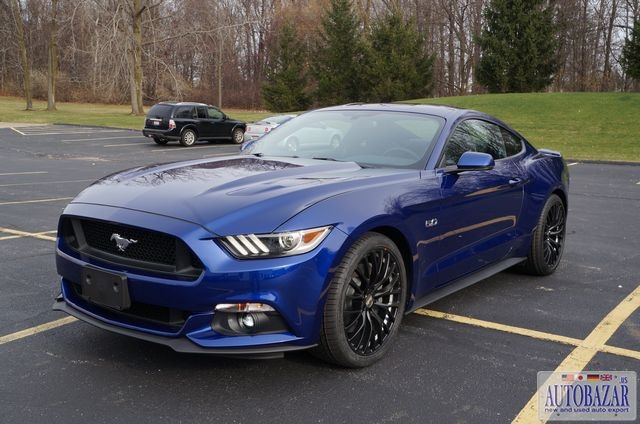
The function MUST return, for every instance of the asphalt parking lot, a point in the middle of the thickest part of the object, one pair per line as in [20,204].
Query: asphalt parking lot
[469,358]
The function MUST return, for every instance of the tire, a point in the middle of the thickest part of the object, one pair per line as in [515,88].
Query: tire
[237,136]
[160,141]
[188,137]
[365,304]
[548,240]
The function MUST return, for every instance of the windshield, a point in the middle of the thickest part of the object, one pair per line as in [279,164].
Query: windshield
[370,138]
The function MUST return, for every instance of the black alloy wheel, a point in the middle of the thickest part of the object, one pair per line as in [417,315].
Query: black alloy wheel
[548,239]
[365,303]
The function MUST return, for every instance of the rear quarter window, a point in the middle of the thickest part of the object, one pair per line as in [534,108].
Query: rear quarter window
[512,143]
[160,111]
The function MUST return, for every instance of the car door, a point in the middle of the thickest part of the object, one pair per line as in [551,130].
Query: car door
[477,225]
[206,126]
[219,129]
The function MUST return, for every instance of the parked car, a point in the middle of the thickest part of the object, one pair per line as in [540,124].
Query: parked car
[317,134]
[325,248]
[189,122]
[260,128]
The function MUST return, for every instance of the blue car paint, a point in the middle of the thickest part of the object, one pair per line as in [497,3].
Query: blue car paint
[483,218]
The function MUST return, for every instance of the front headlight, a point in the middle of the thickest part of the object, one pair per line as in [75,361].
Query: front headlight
[250,246]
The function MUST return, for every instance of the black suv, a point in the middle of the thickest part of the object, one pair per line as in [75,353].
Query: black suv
[189,122]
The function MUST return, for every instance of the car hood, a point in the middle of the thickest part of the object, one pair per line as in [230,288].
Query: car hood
[233,194]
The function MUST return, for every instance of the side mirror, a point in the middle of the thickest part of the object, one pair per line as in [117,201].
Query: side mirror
[473,161]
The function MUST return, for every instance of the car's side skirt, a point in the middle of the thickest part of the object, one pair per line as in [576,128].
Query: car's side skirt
[465,282]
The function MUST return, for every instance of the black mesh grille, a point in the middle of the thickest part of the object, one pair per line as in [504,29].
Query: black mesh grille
[143,245]
[141,248]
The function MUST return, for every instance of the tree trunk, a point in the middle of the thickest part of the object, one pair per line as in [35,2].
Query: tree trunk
[582,70]
[53,58]
[606,75]
[16,11]
[137,106]
[219,69]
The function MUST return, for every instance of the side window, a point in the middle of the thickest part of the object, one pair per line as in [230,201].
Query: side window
[474,136]
[185,112]
[460,141]
[512,144]
[202,112]
[215,113]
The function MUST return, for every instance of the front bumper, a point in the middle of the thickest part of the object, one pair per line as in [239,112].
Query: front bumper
[179,344]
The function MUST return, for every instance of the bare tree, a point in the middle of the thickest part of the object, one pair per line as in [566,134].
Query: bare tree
[53,57]
[134,9]
[16,13]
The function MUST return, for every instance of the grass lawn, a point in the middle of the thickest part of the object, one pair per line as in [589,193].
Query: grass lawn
[583,126]
[12,109]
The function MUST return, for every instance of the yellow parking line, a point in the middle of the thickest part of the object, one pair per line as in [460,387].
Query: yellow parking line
[500,327]
[21,202]
[580,357]
[17,234]
[35,330]
[540,335]
[633,354]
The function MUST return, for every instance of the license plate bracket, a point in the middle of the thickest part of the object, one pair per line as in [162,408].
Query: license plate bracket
[105,288]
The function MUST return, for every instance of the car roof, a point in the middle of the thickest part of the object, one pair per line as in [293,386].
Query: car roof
[447,112]
[184,104]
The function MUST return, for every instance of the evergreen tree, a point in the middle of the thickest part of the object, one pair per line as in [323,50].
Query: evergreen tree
[337,62]
[398,67]
[631,53]
[518,46]
[286,76]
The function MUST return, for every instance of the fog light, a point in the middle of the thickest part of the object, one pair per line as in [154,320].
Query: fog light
[235,319]
[247,321]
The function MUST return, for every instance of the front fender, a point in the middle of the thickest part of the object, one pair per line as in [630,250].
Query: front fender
[398,210]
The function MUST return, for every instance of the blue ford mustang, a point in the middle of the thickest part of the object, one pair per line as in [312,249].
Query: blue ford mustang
[299,243]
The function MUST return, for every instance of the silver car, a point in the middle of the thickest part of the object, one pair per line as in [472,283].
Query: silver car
[260,128]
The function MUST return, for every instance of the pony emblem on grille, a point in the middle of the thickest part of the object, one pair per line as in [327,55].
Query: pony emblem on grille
[122,242]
